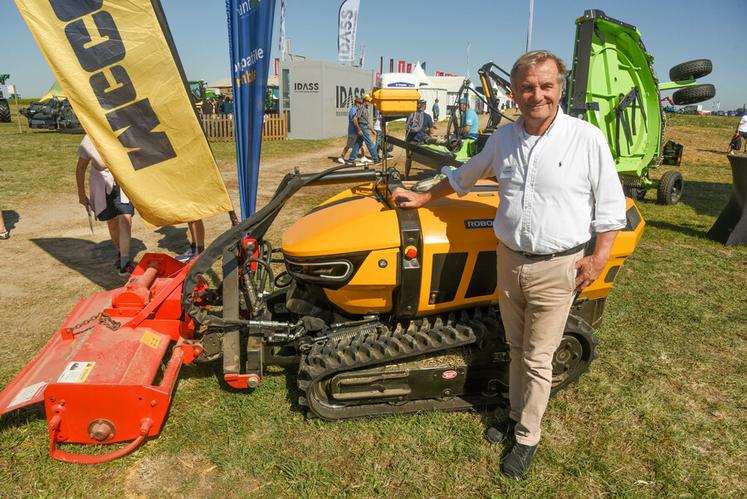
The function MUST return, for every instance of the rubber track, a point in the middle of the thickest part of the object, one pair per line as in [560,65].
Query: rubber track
[383,346]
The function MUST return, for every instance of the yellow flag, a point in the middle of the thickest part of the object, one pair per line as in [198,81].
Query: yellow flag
[118,67]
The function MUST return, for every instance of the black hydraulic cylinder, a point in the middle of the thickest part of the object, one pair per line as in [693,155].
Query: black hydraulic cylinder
[343,177]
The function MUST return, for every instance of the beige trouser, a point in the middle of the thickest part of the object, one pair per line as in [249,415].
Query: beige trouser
[535,298]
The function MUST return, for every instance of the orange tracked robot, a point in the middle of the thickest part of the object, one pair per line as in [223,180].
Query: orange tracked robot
[384,310]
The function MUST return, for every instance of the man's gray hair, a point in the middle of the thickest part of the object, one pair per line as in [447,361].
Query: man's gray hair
[532,58]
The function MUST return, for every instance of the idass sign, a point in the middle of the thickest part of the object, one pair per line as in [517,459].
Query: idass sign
[345,95]
[347,25]
[306,87]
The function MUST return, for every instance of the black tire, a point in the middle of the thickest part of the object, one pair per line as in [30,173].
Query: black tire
[574,355]
[694,94]
[691,69]
[4,111]
[670,188]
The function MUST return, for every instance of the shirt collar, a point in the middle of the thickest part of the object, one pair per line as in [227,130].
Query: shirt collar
[560,118]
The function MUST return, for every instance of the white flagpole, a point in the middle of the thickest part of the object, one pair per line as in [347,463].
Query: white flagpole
[469,45]
[282,30]
[529,30]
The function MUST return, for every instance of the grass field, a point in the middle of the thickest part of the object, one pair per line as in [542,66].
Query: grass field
[663,411]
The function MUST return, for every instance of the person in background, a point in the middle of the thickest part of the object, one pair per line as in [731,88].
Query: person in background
[4,233]
[228,106]
[469,120]
[419,125]
[197,242]
[107,201]
[208,107]
[363,127]
[558,186]
[436,110]
[352,135]
[377,130]
[742,130]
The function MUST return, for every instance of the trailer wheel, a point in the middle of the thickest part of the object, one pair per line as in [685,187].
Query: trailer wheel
[574,354]
[691,69]
[4,111]
[694,94]
[670,188]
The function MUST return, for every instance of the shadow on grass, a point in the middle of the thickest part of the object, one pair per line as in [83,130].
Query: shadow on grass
[174,239]
[687,231]
[95,261]
[22,416]
[713,151]
[291,390]
[11,218]
[706,198]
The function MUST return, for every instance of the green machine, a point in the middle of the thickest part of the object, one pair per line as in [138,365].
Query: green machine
[613,86]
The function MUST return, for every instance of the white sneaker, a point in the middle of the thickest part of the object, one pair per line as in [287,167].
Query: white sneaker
[185,257]
[366,161]
[341,160]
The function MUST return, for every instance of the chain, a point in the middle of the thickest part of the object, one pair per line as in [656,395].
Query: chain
[102,318]
[107,321]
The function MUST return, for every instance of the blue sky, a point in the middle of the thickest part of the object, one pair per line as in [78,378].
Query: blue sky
[437,32]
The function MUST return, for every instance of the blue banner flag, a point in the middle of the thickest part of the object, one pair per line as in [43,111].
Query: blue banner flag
[249,37]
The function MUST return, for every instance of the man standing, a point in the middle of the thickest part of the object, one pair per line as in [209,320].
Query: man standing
[107,201]
[436,110]
[362,123]
[742,130]
[557,184]
[352,131]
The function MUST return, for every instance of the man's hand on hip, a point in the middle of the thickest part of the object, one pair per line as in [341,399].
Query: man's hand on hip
[589,269]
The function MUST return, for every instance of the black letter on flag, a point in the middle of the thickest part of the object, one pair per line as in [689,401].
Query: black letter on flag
[109,97]
[139,119]
[102,54]
[67,10]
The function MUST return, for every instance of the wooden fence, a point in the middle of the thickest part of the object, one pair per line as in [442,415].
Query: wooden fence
[219,127]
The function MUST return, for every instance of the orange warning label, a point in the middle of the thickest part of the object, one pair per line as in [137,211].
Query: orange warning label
[150,339]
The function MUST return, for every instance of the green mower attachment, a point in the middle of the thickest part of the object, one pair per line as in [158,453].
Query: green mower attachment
[613,86]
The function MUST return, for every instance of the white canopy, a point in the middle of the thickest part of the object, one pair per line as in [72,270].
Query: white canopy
[417,72]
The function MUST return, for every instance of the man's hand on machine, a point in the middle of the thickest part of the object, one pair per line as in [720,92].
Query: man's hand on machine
[405,198]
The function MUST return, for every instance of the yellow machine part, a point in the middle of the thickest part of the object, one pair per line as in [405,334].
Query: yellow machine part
[457,253]
[350,222]
[395,101]
[445,229]
[371,289]
[625,244]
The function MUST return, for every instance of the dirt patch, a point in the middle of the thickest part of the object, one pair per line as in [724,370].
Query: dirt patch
[168,476]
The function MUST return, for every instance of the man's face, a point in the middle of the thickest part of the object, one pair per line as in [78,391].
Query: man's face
[463,107]
[539,90]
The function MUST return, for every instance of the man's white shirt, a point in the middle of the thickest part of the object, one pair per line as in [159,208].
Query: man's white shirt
[743,124]
[555,189]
